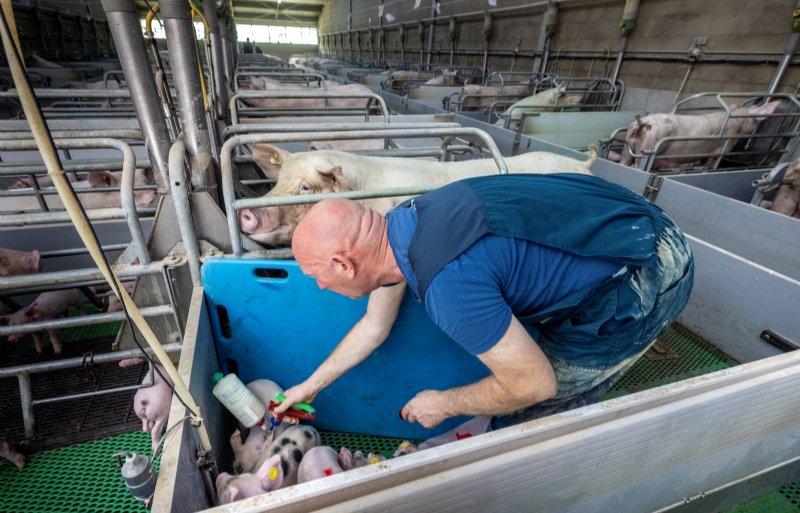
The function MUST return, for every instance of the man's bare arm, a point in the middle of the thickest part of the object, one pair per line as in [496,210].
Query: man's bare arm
[366,336]
[521,376]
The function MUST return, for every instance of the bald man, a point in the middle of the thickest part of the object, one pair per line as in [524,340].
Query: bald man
[557,283]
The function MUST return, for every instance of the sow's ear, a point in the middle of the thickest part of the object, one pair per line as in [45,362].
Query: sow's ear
[334,178]
[762,111]
[269,158]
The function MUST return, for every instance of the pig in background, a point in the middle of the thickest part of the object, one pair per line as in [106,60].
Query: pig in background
[787,200]
[645,132]
[46,306]
[89,200]
[19,262]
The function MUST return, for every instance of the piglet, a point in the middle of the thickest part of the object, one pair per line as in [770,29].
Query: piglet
[152,404]
[249,454]
[48,305]
[8,452]
[323,461]
[232,488]
[470,428]
[19,262]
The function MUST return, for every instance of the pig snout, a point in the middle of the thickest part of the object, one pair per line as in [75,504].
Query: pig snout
[248,221]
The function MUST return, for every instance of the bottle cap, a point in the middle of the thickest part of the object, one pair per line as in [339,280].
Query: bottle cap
[218,377]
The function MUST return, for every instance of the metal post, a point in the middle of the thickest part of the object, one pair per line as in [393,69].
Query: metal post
[180,43]
[123,21]
[183,208]
[210,12]
[430,34]
[791,47]
[227,63]
[26,400]
[623,44]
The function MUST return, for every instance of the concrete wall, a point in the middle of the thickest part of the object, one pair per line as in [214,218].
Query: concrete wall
[734,29]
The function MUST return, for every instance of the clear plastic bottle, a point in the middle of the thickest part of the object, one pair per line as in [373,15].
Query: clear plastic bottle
[240,401]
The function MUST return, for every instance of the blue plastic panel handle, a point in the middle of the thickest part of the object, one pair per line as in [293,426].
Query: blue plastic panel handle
[281,326]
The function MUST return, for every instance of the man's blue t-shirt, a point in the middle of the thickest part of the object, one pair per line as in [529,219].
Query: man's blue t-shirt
[473,297]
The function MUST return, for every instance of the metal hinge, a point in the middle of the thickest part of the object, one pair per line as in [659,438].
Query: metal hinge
[653,187]
[782,343]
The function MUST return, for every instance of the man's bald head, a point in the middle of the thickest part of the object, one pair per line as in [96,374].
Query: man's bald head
[331,226]
[344,247]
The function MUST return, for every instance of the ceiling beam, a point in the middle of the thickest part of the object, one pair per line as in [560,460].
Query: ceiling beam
[246,14]
[316,3]
[290,6]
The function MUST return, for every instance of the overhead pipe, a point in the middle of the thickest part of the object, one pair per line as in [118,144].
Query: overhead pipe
[162,87]
[421,38]
[220,85]
[488,21]
[791,47]
[227,55]
[126,30]
[432,32]
[452,32]
[629,17]
[549,26]
[183,60]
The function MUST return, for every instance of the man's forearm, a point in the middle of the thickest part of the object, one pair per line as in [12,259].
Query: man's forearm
[354,348]
[485,397]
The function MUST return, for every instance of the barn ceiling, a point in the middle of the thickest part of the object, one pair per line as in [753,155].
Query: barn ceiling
[260,12]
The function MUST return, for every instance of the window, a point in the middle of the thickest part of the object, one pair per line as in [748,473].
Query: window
[277,34]
[256,33]
[158,29]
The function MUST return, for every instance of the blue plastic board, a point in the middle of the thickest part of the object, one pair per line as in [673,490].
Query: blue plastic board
[281,326]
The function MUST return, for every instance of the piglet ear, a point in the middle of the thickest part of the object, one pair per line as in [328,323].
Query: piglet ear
[234,493]
[373,458]
[271,473]
[345,458]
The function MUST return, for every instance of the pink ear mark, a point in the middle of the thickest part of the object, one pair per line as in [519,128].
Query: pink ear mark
[234,493]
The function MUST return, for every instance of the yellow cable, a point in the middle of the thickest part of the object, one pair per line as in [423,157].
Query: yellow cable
[148,21]
[196,12]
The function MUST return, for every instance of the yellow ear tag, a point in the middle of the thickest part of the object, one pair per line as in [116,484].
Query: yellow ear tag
[273,474]
[275,159]
[374,460]
[404,445]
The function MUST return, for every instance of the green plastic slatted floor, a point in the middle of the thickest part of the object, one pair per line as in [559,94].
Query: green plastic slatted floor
[85,477]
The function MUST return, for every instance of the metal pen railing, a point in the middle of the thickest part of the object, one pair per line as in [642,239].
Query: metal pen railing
[232,205]
[369,99]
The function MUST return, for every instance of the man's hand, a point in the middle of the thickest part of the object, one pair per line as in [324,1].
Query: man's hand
[426,408]
[305,392]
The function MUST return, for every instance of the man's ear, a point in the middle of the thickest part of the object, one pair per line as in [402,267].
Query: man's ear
[334,178]
[344,266]
[269,158]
